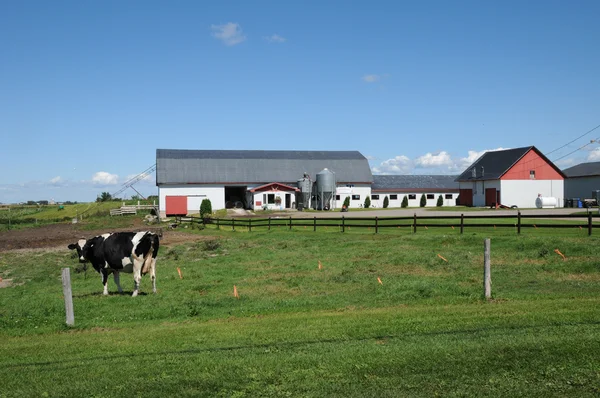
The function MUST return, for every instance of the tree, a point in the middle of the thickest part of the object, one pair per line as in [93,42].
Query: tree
[104,197]
[404,202]
[386,202]
[423,201]
[440,201]
[367,202]
[347,202]
[205,208]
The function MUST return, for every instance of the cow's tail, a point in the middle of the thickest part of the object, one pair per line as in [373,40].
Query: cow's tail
[151,255]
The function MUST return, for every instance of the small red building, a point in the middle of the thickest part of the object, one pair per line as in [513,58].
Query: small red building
[512,177]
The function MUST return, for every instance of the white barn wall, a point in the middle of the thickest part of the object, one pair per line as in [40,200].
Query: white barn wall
[363,190]
[195,194]
[581,187]
[523,193]
[412,202]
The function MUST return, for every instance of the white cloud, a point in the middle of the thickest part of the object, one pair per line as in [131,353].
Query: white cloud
[438,160]
[275,39]
[398,165]
[104,178]
[430,163]
[230,33]
[371,78]
[56,180]
[594,156]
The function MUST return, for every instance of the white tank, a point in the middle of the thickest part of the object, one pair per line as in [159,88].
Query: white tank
[545,202]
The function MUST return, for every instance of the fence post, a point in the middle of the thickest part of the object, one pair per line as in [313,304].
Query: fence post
[269,223]
[66,282]
[519,222]
[376,224]
[218,227]
[315,224]
[487,277]
[462,223]
[249,225]
[290,223]
[343,224]
[233,223]
[589,224]
[415,224]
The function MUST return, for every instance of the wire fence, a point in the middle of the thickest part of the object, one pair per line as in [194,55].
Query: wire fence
[416,223]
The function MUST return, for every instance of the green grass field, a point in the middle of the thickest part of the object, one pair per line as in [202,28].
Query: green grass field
[297,330]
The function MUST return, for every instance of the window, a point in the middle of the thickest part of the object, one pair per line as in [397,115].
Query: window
[430,196]
[355,197]
[393,197]
[374,197]
[448,196]
[532,174]
[412,196]
[337,197]
[271,198]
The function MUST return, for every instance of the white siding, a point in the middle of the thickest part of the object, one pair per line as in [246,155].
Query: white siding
[195,195]
[415,202]
[523,193]
[362,190]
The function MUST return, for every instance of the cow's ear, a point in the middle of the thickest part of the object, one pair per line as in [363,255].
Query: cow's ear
[72,246]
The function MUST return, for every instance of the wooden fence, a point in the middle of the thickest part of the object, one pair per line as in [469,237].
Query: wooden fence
[459,222]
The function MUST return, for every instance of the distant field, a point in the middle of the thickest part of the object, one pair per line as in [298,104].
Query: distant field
[301,330]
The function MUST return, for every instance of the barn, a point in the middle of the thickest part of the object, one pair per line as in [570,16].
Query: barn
[512,177]
[583,180]
[396,187]
[257,179]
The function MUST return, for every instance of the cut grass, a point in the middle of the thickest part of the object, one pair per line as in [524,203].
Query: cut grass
[298,330]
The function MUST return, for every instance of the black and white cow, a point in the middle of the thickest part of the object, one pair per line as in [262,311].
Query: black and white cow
[121,252]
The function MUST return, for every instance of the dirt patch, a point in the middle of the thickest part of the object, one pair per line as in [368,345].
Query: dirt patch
[59,236]
[5,283]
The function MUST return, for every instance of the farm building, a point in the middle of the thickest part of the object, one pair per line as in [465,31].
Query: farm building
[255,179]
[396,187]
[512,177]
[582,180]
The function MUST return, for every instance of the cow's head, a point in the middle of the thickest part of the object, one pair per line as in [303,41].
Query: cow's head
[80,246]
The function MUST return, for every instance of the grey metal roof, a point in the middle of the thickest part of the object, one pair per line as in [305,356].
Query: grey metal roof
[583,170]
[495,164]
[184,166]
[416,183]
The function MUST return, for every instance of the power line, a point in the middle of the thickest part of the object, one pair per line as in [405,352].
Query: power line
[570,142]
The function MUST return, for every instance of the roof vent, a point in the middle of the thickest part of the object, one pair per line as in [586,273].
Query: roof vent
[474,172]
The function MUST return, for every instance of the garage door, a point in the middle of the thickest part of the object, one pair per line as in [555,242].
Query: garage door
[176,205]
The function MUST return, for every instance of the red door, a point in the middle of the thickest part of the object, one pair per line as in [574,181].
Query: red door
[176,205]
[490,196]
[466,197]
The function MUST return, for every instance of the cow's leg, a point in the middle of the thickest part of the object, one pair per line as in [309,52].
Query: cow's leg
[117,280]
[153,275]
[137,274]
[104,275]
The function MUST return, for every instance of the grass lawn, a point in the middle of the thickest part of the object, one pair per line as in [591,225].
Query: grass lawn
[303,330]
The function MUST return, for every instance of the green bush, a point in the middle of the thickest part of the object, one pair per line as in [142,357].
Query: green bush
[404,201]
[440,201]
[386,202]
[347,202]
[205,208]
[423,201]
[367,202]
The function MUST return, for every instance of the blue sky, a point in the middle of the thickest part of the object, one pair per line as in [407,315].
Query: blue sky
[90,89]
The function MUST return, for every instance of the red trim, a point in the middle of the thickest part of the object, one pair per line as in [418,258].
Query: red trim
[274,186]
